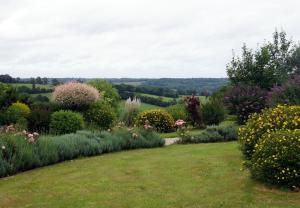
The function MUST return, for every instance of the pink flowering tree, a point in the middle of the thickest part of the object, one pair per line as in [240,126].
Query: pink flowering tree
[75,96]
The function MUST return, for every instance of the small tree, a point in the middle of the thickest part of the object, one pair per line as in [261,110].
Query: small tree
[194,109]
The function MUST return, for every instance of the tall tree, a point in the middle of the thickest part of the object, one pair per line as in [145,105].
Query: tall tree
[266,66]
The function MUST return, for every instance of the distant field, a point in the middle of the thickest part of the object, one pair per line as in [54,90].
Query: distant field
[43,94]
[165,99]
[30,85]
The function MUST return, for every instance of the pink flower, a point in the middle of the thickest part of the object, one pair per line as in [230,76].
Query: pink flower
[179,123]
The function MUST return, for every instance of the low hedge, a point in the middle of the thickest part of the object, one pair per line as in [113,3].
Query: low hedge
[221,133]
[17,154]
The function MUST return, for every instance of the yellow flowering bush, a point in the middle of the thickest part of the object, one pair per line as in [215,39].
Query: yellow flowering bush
[282,117]
[22,108]
[161,120]
[276,158]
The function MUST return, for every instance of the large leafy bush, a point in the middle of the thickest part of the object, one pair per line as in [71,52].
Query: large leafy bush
[101,115]
[281,117]
[65,122]
[178,111]
[213,112]
[276,158]
[244,100]
[161,120]
[75,96]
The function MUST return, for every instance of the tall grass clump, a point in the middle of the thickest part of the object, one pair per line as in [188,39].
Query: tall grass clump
[131,110]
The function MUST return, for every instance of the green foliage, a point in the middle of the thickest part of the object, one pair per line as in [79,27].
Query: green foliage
[213,112]
[100,115]
[220,133]
[8,95]
[108,92]
[17,154]
[39,118]
[266,66]
[276,158]
[22,108]
[65,122]
[273,119]
[161,120]
[178,111]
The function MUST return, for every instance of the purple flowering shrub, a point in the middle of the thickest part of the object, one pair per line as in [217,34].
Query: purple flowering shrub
[287,93]
[244,100]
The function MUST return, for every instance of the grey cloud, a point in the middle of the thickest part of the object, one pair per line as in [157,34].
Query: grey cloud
[133,38]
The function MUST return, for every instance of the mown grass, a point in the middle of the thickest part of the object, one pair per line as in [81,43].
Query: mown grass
[200,175]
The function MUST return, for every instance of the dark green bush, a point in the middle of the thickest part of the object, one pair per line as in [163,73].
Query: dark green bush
[213,112]
[39,118]
[100,115]
[276,158]
[16,154]
[65,122]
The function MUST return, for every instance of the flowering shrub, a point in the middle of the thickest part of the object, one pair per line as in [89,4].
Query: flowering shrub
[194,109]
[65,122]
[131,110]
[161,120]
[75,96]
[100,115]
[287,93]
[31,137]
[276,158]
[244,100]
[281,117]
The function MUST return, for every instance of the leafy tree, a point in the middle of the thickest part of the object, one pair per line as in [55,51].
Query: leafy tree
[5,78]
[55,82]
[108,92]
[39,80]
[268,65]
[295,60]
[45,80]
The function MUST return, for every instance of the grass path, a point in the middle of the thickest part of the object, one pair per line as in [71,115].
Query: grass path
[199,175]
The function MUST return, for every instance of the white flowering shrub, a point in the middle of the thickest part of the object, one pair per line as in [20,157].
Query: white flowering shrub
[75,96]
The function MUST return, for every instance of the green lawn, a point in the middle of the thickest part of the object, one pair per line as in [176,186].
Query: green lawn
[199,175]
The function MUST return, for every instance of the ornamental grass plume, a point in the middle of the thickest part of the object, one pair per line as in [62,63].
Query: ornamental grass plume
[132,108]
[75,96]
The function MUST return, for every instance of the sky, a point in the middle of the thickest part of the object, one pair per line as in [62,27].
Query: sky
[135,38]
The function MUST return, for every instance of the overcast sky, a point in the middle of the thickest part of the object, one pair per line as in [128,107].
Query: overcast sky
[135,38]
